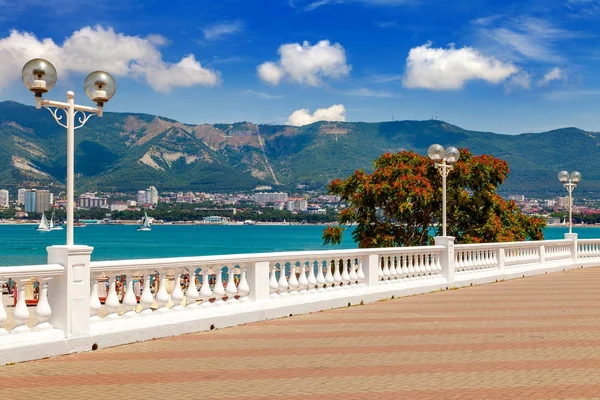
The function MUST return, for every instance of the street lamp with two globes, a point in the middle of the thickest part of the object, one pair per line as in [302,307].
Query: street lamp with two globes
[444,159]
[40,76]
[570,182]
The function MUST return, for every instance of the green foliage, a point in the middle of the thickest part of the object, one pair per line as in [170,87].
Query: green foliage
[398,203]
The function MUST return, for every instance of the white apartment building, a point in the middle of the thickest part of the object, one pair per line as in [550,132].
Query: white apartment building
[275,197]
[148,196]
[562,201]
[297,204]
[4,199]
[21,196]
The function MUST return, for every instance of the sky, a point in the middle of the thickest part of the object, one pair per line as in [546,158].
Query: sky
[486,65]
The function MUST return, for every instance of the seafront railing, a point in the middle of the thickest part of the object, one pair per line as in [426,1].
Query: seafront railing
[80,305]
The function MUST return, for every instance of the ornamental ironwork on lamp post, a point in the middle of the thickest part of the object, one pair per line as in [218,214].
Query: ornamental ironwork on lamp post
[570,182]
[40,76]
[444,159]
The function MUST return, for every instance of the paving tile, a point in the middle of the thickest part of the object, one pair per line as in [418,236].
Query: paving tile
[531,338]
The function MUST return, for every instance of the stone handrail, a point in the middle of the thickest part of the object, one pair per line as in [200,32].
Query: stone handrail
[106,303]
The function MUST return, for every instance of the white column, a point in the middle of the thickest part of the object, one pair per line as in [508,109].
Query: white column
[447,258]
[258,280]
[69,294]
[574,250]
[371,269]
[70,166]
[3,315]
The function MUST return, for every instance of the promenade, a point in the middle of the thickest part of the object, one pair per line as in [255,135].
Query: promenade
[531,338]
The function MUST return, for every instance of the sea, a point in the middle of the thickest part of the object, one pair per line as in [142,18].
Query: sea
[23,245]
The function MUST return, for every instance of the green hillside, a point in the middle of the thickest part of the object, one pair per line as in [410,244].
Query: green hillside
[126,152]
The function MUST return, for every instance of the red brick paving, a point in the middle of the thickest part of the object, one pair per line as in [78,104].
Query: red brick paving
[532,338]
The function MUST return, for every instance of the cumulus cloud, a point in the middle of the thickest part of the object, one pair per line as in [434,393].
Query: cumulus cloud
[306,64]
[92,48]
[521,80]
[336,112]
[553,75]
[222,29]
[449,69]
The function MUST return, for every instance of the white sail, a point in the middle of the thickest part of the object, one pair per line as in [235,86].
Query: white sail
[52,227]
[146,226]
[43,226]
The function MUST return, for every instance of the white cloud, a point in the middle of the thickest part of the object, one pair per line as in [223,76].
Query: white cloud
[521,80]
[366,92]
[262,95]
[319,3]
[89,49]
[336,112]
[306,64]
[553,75]
[448,69]
[222,29]
[523,38]
[270,72]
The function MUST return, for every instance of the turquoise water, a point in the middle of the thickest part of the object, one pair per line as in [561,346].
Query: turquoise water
[22,245]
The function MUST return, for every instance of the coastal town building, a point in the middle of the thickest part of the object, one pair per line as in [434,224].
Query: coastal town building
[562,202]
[4,199]
[297,204]
[148,196]
[265,197]
[36,201]
[90,200]
[118,206]
[21,196]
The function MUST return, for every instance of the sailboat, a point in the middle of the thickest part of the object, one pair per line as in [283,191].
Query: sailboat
[145,223]
[52,226]
[43,226]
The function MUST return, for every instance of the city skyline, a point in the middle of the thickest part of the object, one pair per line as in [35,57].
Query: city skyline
[509,68]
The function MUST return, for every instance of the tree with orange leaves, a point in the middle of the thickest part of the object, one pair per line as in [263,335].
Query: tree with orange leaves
[400,201]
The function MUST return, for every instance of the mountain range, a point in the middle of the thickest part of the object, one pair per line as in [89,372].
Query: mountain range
[126,152]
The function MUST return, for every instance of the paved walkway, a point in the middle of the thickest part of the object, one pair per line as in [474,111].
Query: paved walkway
[532,338]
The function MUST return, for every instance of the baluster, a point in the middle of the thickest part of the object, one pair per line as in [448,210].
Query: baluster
[416,265]
[428,268]
[112,300]
[438,263]
[386,268]
[146,299]
[293,281]
[282,283]
[231,288]
[192,293]
[162,296]
[42,310]
[321,281]
[329,281]
[205,291]
[129,300]
[403,267]
[95,304]
[393,270]
[177,294]
[360,273]
[411,268]
[312,279]
[243,287]
[219,289]
[380,270]
[345,275]
[353,276]
[273,284]
[337,277]
[21,313]
[302,281]
[3,314]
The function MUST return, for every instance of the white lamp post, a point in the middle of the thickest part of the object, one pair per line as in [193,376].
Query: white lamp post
[444,158]
[39,76]
[570,182]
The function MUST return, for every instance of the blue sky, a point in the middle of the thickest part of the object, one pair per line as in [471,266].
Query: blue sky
[505,67]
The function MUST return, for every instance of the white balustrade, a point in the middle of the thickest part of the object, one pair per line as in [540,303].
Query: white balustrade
[31,291]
